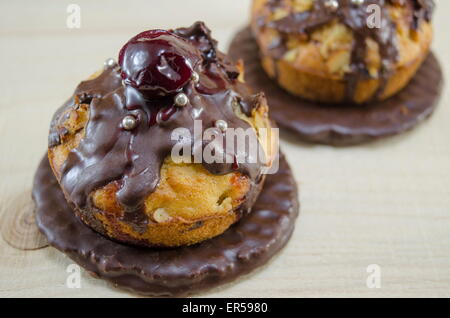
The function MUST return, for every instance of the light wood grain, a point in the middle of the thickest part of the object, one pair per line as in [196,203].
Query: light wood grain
[18,224]
[385,203]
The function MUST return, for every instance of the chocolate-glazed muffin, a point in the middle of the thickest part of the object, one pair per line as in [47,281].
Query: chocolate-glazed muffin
[333,50]
[110,144]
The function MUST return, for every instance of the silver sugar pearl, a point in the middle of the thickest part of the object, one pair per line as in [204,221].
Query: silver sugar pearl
[110,63]
[221,124]
[358,2]
[195,77]
[129,122]
[181,100]
[332,4]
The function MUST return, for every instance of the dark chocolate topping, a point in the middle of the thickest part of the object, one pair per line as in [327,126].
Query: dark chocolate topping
[249,244]
[355,17]
[133,158]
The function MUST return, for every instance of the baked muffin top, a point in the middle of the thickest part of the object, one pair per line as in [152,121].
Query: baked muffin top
[101,152]
[343,39]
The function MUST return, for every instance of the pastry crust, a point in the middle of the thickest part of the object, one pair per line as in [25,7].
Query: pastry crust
[189,205]
[315,67]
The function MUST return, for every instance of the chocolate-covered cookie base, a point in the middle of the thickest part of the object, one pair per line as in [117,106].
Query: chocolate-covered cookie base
[247,245]
[342,125]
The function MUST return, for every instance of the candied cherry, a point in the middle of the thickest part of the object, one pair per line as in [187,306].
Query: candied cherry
[158,62]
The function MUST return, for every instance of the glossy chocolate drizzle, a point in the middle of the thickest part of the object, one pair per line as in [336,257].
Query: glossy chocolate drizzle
[355,17]
[133,159]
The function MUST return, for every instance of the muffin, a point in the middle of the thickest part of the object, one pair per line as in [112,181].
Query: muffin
[111,144]
[342,51]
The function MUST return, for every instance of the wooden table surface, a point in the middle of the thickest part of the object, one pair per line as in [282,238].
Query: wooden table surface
[384,203]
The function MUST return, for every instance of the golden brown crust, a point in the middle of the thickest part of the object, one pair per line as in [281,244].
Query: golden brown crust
[188,206]
[314,68]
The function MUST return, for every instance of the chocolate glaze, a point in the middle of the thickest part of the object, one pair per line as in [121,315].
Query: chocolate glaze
[133,158]
[342,125]
[172,272]
[355,17]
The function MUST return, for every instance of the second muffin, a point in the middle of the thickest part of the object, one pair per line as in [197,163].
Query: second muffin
[328,50]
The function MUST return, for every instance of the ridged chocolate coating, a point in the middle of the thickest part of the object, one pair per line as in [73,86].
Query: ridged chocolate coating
[245,246]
